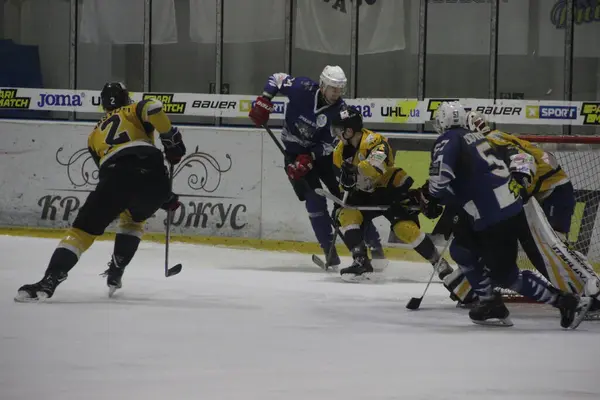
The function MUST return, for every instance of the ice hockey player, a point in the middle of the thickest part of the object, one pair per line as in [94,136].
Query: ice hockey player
[550,184]
[133,184]
[540,173]
[369,175]
[466,171]
[309,145]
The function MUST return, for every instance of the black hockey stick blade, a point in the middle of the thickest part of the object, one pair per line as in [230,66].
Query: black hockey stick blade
[414,303]
[320,263]
[174,270]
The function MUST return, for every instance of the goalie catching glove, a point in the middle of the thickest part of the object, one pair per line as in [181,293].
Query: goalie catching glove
[172,141]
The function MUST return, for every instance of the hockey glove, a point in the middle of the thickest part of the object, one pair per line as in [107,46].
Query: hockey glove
[172,141]
[430,206]
[348,176]
[300,167]
[172,203]
[261,110]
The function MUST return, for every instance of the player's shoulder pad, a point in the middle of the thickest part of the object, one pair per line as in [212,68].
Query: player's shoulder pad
[145,108]
[497,136]
[303,82]
[153,106]
[372,139]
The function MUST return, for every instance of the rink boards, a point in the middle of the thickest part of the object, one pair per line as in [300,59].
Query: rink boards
[232,185]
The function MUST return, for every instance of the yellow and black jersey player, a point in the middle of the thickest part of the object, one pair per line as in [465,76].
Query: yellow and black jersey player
[370,176]
[133,184]
[549,183]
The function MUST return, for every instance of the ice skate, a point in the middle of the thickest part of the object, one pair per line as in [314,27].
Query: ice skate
[491,312]
[113,277]
[568,305]
[360,270]
[41,290]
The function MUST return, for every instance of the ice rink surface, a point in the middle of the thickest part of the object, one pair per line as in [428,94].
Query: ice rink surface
[248,324]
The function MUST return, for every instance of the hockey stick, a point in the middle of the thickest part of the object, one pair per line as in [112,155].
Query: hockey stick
[316,259]
[177,268]
[415,302]
[327,195]
[336,200]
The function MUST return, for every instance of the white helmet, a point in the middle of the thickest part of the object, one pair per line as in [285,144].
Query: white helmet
[448,115]
[333,76]
[476,122]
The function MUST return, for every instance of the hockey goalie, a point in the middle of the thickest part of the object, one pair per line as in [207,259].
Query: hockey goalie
[550,202]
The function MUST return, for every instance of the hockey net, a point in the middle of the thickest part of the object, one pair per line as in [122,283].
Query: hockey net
[579,157]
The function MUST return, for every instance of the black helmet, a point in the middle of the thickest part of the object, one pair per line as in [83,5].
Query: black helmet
[114,95]
[348,117]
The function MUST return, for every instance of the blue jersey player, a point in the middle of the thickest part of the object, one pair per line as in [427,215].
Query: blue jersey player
[466,172]
[309,145]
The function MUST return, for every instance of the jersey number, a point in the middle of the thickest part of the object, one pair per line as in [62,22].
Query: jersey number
[498,167]
[112,137]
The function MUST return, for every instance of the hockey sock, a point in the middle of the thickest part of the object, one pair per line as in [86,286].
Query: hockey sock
[372,235]
[125,248]
[321,224]
[61,262]
[427,249]
[472,268]
[320,220]
[530,285]
[354,240]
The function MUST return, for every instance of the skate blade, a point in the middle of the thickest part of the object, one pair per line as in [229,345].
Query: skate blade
[582,310]
[366,277]
[499,322]
[23,297]
[379,264]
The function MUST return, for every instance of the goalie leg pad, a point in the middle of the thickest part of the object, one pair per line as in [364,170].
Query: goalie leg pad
[567,269]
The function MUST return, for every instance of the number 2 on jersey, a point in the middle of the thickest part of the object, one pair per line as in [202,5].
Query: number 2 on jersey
[112,137]
[498,166]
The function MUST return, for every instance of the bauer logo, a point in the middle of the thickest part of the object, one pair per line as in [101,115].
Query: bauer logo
[499,110]
[278,106]
[551,112]
[9,99]
[60,100]
[591,113]
[214,104]
[169,106]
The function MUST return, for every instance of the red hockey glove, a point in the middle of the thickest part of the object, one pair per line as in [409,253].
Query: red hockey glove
[300,167]
[259,114]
